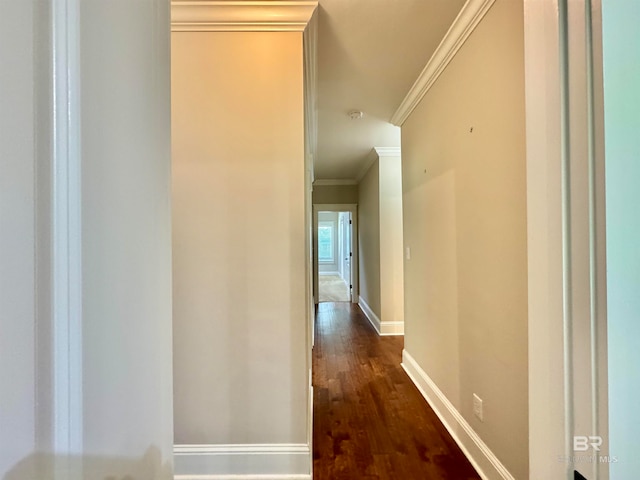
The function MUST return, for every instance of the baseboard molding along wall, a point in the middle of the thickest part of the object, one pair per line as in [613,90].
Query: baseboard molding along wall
[242,462]
[478,453]
[242,477]
[383,328]
[330,273]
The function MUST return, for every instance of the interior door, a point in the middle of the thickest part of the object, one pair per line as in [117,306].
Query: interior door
[347,254]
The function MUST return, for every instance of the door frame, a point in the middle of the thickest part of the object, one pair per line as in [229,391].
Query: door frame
[337,207]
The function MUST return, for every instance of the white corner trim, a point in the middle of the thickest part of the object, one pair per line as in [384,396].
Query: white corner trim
[478,453]
[469,17]
[310,47]
[383,328]
[240,16]
[388,151]
[336,181]
[67,231]
[245,461]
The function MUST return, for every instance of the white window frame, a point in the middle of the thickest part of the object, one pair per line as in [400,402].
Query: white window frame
[333,226]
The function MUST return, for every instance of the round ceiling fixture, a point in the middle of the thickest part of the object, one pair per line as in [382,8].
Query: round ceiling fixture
[355,114]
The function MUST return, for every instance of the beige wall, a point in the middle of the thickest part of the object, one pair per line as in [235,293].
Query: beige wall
[391,240]
[337,194]
[369,238]
[465,222]
[380,240]
[238,211]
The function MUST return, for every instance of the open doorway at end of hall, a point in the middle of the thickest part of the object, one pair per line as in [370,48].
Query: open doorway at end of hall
[335,258]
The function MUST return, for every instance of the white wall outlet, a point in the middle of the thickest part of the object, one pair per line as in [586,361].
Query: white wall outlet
[407,252]
[477,407]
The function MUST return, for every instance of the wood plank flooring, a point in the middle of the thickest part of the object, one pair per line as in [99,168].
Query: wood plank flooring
[370,422]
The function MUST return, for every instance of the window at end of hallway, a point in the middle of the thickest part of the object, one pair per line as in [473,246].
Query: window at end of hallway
[325,242]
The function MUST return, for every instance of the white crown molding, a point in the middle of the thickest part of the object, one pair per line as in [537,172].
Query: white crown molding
[241,16]
[333,182]
[469,17]
[381,152]
[388,151]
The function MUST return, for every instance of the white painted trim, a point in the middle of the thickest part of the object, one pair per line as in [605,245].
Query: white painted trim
[388,151]
[336,181]
[469,17]
[246,461]
[567,231]
[381,152]
[240,16]
[241,448]
[382,328]
[242,477]
[310,417]
[545,354]
[478,453]
[310,47]
[328,273]
[67,227]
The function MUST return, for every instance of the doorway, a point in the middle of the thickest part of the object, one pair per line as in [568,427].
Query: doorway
[335,255]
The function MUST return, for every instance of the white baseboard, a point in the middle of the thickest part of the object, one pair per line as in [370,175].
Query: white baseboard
[383,328]
[330,273]
[478,453]
[242,477]
[242,462]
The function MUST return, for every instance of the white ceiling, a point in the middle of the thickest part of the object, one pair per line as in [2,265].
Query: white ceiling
[370,52]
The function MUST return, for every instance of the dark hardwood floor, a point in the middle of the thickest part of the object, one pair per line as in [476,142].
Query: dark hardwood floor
[369,419]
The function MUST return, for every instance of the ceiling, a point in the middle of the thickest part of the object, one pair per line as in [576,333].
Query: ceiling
[370,52]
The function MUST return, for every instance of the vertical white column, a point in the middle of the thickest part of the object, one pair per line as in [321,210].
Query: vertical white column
[565,197]
[66,230]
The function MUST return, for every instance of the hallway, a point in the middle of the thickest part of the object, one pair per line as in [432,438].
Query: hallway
[369,419]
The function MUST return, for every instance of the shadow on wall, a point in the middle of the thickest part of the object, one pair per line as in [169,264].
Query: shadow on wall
[43,466]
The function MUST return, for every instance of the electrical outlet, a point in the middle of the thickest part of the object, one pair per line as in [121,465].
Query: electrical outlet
[407,253]
[477,407]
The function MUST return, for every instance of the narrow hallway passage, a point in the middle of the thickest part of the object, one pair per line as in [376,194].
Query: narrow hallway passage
[370,421]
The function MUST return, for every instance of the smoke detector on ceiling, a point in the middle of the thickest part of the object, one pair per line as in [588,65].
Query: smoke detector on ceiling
[355,114]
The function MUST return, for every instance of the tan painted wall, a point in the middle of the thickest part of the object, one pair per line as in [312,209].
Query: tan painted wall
[369,238]
[465,221]
[337,194]
[239,265]
[391,240]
